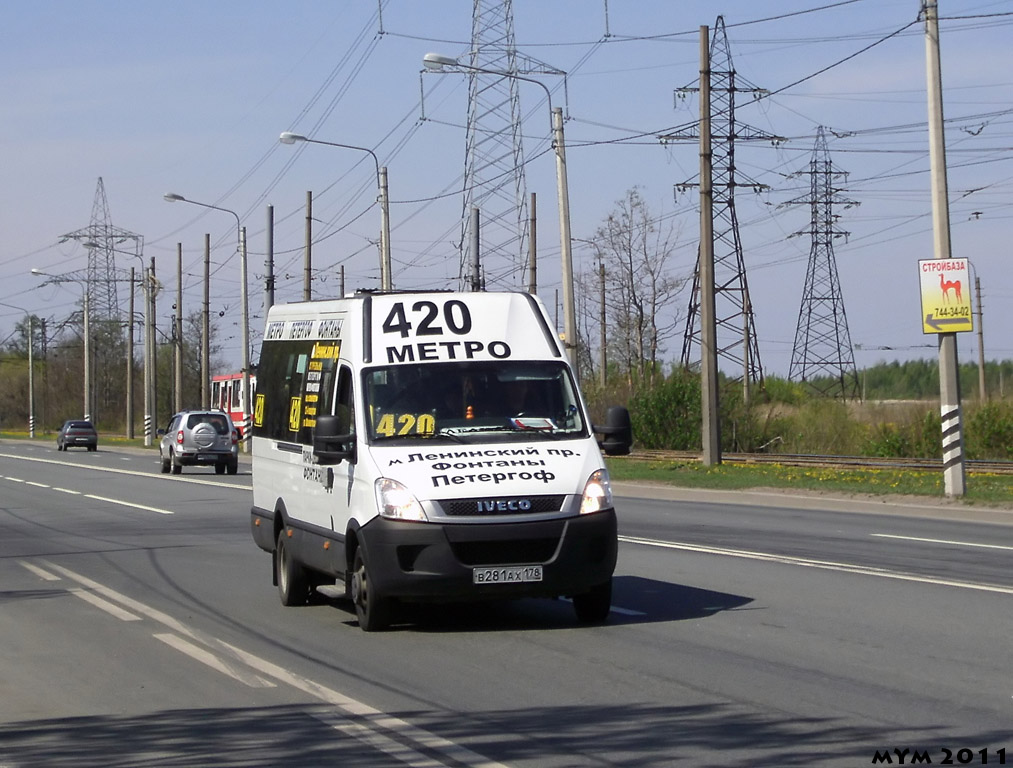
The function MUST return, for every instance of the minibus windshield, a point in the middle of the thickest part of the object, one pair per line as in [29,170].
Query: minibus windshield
[519,400]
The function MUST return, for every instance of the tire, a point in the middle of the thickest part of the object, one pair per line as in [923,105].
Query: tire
[593,606]
[293,581]
[177,468]
[92,447]
[165,465]
[371,608]
[219,469]
[233,468]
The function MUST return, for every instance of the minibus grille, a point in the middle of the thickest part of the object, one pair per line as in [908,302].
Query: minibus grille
[515,505]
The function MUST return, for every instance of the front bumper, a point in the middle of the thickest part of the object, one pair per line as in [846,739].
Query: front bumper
[424,561]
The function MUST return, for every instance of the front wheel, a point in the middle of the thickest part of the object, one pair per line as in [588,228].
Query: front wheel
[164,465]
[371,608]
[593,606]
[293,582]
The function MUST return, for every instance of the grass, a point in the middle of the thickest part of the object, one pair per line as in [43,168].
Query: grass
[982,488]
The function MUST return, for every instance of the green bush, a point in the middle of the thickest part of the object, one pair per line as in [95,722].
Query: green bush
[666,414]
[988,431]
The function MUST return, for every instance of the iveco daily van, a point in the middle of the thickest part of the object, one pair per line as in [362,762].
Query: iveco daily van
[431,446]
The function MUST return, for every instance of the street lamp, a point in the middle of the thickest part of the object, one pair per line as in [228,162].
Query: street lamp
[148,289]
[436,63]
[288,137]
[171,197]
[83,282]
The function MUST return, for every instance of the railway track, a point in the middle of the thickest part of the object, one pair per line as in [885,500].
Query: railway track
[832,462]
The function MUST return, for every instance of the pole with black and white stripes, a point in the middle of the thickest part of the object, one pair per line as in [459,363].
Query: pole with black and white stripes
[954,478]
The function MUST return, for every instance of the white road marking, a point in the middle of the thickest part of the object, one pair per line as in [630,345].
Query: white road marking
[138,473]
[943,541]
[821,564]
[105,605]
[42,574]
[37,485]
[206,657]
[369,721]
[129,504]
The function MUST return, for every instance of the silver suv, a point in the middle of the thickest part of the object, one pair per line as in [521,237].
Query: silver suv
[200,437]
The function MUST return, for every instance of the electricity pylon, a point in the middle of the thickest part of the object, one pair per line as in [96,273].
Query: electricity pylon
[100,238]
[736,330]
[823,356]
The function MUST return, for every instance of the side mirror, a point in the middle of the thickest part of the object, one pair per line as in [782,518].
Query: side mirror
[617,432]
[332,441]
[159,432]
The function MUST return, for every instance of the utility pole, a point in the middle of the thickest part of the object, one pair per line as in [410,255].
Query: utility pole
[954,478]
[269,263]
[130,359]
[307,290]
[476,260]
[31,377]
[710,429]
[982,393]
[603,362]
[533,248]
[178,349]
[205,343]
[151,413]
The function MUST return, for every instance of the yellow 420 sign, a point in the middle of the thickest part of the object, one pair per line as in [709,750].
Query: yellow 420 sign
[946,296]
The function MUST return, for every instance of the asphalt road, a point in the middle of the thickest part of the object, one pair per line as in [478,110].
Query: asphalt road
[139,626]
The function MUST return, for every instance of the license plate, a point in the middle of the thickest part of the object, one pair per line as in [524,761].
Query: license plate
[511,575]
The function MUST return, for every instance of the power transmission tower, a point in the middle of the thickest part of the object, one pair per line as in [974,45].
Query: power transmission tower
[494,153]
[100,238]
[736,330]
[823,355]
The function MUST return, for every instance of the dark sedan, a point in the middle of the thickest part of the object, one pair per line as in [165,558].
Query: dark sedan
[77,433]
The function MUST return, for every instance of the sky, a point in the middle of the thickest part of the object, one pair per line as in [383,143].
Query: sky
[190,97]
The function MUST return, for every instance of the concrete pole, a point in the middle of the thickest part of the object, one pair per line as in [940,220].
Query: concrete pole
[533,247]
[269,263]
[205,340]
[386,281]
[148,367]
[603,363]
[307,274]
[954,477]
[130,359]
[565,242]
[178,358]
[982,393]
[246,341]
[710,429]
[31,377]
[87,356]
[476,259]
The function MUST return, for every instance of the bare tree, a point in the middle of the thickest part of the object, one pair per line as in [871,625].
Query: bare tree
[636,252]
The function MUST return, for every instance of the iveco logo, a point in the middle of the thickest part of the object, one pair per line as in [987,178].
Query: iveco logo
[504,505]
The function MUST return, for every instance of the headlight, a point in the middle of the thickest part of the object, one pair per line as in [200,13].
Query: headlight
[597,493]
[396,502]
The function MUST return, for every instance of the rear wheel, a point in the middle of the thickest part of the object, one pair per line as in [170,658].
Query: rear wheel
[293,581]
[219,469]
[593,606]
[177,468]
[371,608]
[165,465]
[233,467]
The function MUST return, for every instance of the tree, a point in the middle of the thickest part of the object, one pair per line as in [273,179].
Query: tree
[636,252]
